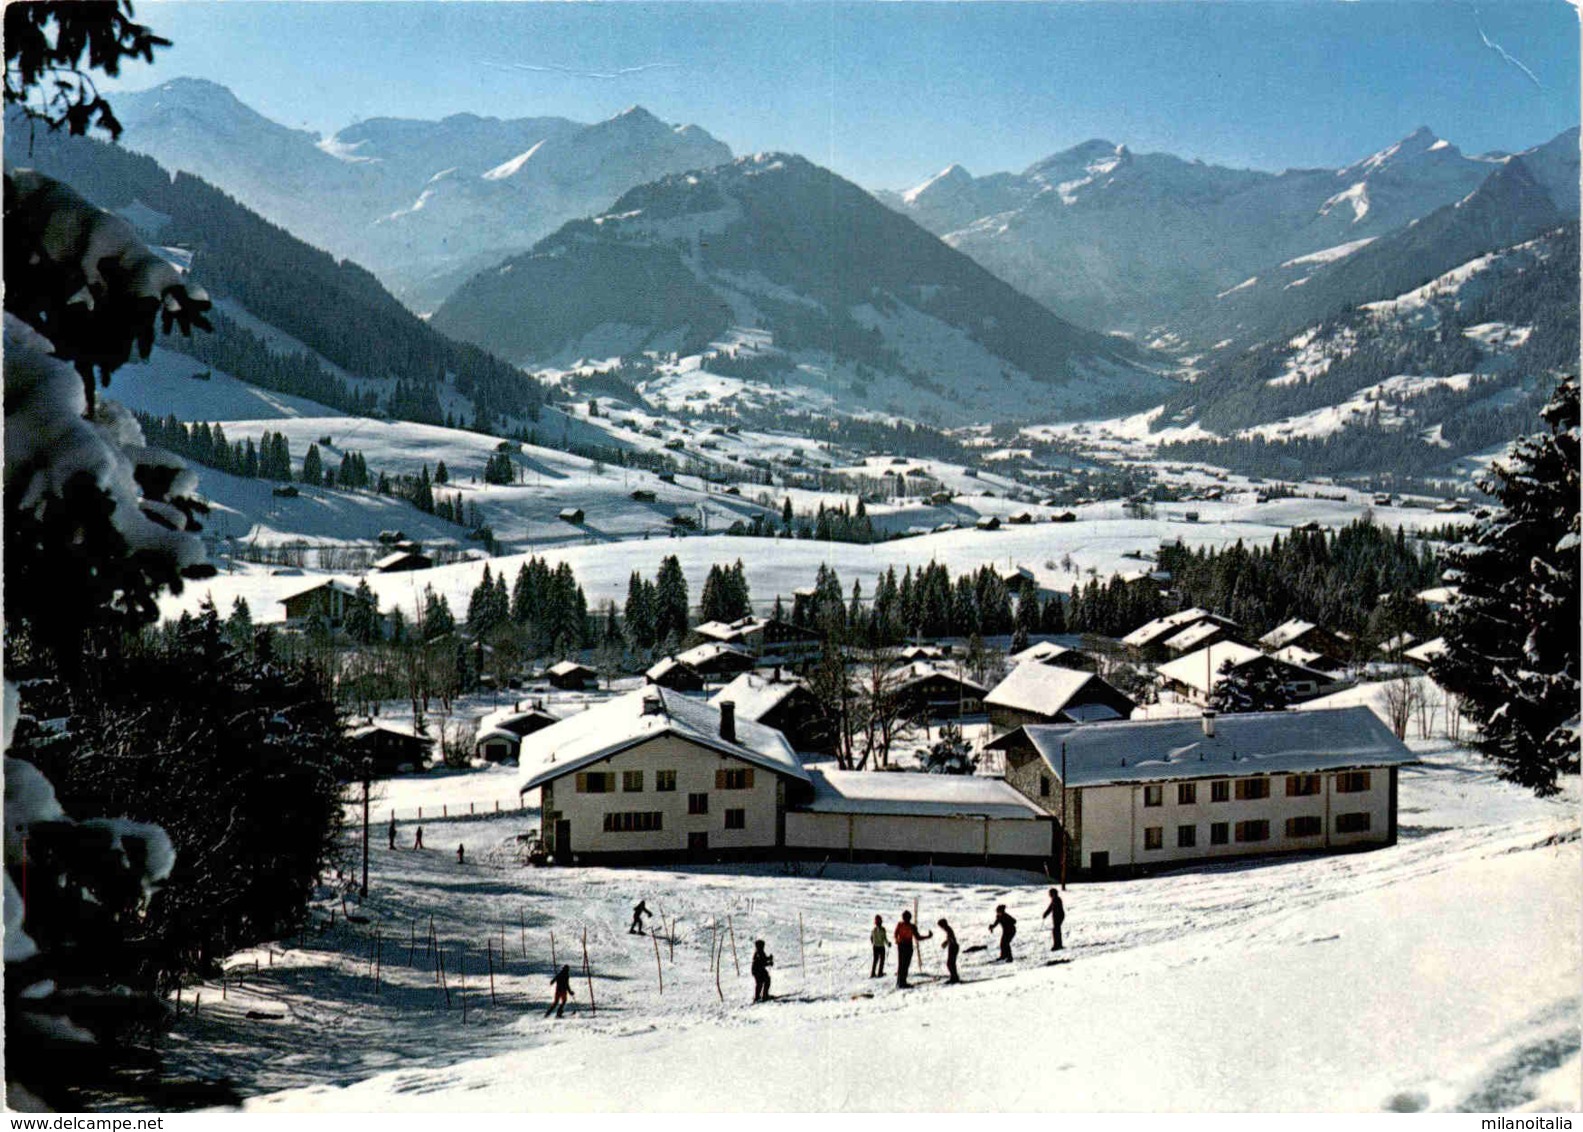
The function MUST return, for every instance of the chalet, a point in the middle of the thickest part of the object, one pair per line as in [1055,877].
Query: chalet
[933,693]
[570,676]
[1197,636]
[1308,658]
[677,675]
[759,637]
[1042,693]
[717,661]
[1019,579]
[1195,676]
[654,773]
[402,560]
[1140,794]
[571,515]
[500,732]
[1048,652]
[923,652]
[1305,635]
[780,702]
[330,600]
[1147,641]
[389,749]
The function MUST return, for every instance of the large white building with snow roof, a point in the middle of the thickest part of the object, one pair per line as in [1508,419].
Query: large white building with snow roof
[1144,793]
[656,773]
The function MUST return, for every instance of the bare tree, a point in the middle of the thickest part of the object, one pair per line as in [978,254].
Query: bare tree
[830,686]
[882,708]
[1402,697]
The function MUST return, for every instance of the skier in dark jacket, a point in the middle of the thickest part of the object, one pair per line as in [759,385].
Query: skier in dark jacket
[880,938]
[461,854]
[1008,931]
[1056,913]
[417,838]
[761,972]
[952,950]
[392,833]
[907,935]
[563,990]
[637,918]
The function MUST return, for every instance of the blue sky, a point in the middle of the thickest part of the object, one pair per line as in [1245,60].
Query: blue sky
[888,93]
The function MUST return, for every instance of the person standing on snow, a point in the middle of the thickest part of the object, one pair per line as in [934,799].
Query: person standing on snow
[880,938]
[637,918]
[1056,913]
[907,936]
[952,950]
[563,990]
[761,972]
[1008,931]
[392,832]
[417,838]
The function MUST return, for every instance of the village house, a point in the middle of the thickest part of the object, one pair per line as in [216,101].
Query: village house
[389,749]
[1304,635]
[771,637]
[1140,794]
[1307,658]
[783,703]
[1147,641]
[1042,693]
[715,661]
[500,733]
[1195,676]
[677,675]
[569,676]
[329,600]
[1198,635]
[927,692]
[402,560]
[1048,652]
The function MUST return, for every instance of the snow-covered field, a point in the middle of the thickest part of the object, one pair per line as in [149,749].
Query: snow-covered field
[1440,973]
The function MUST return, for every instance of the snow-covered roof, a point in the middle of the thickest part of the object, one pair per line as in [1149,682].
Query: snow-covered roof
[1268,742]
[398,556]
[1152,631]
[1285,633]
[1398,643]
[1040,688]
[486,734]
[1427,651]
[917,673]
[1438,595]
[711,650]
[1201,669]
[567,667]
[1193,636]
[755,695]
[374,727]
[1296,654]
[1041,652]
[918,795]
[502,718]
[620,723]
[664,665]
[328,584]
[921,652]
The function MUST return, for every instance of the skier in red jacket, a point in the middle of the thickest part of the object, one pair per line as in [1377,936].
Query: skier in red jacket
[907,936]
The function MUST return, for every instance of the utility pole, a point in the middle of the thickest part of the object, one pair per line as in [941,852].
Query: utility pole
[1064,852]
[368,772]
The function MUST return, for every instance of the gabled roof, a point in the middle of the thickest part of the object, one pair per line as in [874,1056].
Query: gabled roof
[621,723]
[755,695]
[486,734]
[919,795]
[1296,654]
[710,650]
[327,584]
[1427,651]
[918,673]
[567,667]
[1202,669]
[1043,689]
[1285,633]
[1170,624]
[1268,742]
[1398,643]
[1043,651]
[1193,636]
[504,717]
[664,665]
[400,556]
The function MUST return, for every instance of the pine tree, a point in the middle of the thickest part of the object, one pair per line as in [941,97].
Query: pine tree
[312,466]
[1252,687]
[362,615]
[1511,633]
[670,610]
[442,474]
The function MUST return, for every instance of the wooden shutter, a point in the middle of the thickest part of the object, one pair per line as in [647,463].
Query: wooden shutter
[747,778]
[720,778]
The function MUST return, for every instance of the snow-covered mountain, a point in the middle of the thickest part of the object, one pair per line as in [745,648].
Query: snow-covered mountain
[423,204]
[837,290]
[1124,241]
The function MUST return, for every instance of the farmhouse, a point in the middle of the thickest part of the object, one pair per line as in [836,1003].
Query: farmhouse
[949,818]
[657,773]
[401,560]
[933,693]
[717,661]
[1048,652]
[1195,676]
[570,676]
[330,600]
[1138,794]
[677,675]
[782,703]
[388,749]
[1042,693]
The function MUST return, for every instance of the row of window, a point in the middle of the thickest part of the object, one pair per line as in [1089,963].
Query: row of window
[1220,833]
[604,782]
[652,821]
[1254,789]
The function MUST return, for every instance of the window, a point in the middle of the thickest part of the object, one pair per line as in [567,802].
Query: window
[1352,782]
[1153,795]
[736,819]
[1220,791]
[1309,826]
[632,782]
[1352,823]
[1253,830]
[1154,837]
[1044,786]
[1187,794]
[1302,785]
[665,781]
[634,821]
[1219,833]
[1186,836]
[596,782]
[697,803]
[734,778]
[1252,789]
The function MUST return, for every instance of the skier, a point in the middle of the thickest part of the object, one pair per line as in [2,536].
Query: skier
[563,990]
[761,972]
[907,935]
[880,938]
[637,918]
[392,832]
[461,854]
[952,949]
[1056,913]
[1008,930]
[417,838]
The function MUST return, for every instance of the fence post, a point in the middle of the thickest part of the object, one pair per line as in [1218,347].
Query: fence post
[489,954]
[733,933]
[657,969]
[589,975]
